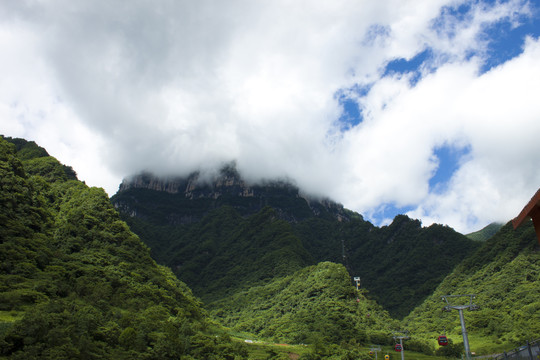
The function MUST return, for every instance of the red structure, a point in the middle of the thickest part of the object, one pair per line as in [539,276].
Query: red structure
[531,210]
[443,340]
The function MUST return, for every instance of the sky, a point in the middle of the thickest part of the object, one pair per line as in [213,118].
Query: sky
[429,108]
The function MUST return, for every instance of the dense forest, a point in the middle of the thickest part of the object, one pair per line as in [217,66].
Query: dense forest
[316,303]
[232,242]
[400,264]
[504,274]
[77,283]
[241,259]
[274,267]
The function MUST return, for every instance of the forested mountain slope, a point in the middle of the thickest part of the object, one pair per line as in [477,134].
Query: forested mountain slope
[400,264]
[504,274]
[316,303]
[222,235]
[77,283]
[225,252]
[486,232]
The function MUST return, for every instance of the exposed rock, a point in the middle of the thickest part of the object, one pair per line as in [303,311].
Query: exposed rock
[222,189]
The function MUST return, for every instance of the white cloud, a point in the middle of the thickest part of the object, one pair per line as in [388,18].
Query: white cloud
[112,88]
[496,113]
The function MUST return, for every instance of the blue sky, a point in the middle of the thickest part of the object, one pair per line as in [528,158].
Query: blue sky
[387,107]
[504,40]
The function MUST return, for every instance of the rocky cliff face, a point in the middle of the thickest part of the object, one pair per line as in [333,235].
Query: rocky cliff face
[193,187]
[226,188]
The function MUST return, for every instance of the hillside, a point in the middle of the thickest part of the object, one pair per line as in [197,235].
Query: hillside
[219,236]
[314,303]
[77,283]
[226,252]
[486,232]
[400,264]
[504,274]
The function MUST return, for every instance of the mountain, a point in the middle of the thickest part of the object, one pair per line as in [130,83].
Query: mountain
[222,234]
[185,200]
[316,302]
[486,232]
[270,263]
[504,274]
[400,264]
[411,262]
[226,252]
[76,283]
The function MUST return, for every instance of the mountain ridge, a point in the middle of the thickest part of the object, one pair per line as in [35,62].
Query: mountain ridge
[226,186]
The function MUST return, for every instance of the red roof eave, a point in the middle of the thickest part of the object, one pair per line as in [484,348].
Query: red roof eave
[528,211]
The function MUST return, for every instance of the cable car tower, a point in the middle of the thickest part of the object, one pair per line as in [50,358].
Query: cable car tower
[357,282]
[375,349]
[470,306]
[399,347]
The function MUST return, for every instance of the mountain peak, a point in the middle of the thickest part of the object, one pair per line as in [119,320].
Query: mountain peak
[227,187]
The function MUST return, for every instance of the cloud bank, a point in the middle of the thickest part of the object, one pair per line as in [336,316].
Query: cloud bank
[113,88]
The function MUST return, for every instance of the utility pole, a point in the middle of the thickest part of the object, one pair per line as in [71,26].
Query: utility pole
[401,338]
[375,349]
[470,306]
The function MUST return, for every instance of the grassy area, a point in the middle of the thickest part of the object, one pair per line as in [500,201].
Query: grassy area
[408,355]
[10,316]
[260,350]
[486,346]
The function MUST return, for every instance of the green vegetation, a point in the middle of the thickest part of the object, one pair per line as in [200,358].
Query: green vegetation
[219,245]
[317,303]
[275,270]
[77,283]
[400,264]
[225,252]
[232,258]
[505,276]
[486,232]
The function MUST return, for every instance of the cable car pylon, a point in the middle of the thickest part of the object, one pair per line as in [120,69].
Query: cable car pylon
[375,349]
[399,347]
[470,306]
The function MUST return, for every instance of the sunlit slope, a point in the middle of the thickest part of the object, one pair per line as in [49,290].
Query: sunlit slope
[486,232]
[504,274]
[316,303]
[76,282]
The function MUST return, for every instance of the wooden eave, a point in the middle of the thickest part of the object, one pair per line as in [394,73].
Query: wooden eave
[531,209]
